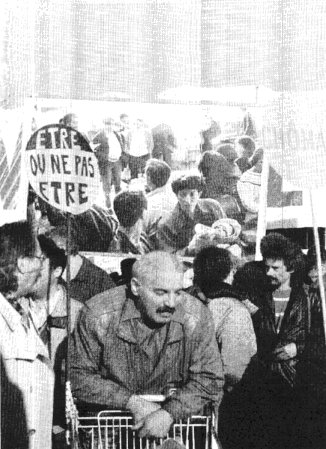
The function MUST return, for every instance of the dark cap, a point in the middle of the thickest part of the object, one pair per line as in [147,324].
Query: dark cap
[188,182]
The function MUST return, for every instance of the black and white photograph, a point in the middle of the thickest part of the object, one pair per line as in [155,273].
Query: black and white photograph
[162,224]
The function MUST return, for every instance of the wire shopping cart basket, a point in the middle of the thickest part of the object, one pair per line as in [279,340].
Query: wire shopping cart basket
[112,429]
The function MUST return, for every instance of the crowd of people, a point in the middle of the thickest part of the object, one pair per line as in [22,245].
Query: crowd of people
[244,338]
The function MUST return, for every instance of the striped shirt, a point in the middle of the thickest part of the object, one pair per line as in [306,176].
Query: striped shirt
[281,299]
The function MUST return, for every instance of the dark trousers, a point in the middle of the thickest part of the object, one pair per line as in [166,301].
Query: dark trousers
[273,414]
[137,165]
[111,174]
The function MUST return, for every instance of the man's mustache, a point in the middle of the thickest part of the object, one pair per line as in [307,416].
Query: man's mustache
[166,309]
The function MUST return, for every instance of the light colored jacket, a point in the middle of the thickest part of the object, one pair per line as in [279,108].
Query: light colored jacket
[235,336]
[28,367]
[160,204]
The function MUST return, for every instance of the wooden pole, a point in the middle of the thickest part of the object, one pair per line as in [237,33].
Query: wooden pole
[262,212]
[319,264]
[68,297]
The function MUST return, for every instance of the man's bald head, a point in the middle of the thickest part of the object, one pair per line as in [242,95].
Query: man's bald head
[157,285]
[156,262]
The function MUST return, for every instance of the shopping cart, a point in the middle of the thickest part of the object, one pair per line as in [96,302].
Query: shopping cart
[112,429]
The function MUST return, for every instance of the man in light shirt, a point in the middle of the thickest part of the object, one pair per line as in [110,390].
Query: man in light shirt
[160,199]
[140,148]
[108,153]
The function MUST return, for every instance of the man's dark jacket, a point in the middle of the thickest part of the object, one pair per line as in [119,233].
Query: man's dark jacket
[108,365]
[293,330]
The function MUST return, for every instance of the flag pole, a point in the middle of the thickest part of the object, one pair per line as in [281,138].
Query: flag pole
[262,212]
[319,263]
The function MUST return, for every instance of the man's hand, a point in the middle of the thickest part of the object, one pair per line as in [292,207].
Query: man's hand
[155,425]
[140,408]
[286,352]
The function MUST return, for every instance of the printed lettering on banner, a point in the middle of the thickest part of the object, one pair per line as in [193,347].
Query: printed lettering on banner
[62,168]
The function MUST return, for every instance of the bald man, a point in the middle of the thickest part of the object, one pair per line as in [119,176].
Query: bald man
[150,339]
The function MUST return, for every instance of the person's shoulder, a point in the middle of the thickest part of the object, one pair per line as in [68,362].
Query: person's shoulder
[230,314]
[299,292]
[193,311]
[108,302]
[101,275]
[251,177]
[230,305]
[209,203]
[171,218]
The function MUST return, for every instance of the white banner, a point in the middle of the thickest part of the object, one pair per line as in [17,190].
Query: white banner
[62,168]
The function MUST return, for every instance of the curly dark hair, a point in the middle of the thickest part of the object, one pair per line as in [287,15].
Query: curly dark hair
[276,246]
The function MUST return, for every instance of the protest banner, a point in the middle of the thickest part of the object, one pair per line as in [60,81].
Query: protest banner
[15,126]
[62,168]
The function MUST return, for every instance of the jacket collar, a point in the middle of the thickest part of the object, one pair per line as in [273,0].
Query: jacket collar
[10,315]
[160,190]
[225,290]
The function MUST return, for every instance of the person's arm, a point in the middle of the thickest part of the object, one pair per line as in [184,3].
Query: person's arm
[88,385]
[166,239]
[249,195]
[150,142]
[293,343]
[205,375]
[236,339]
[217,209]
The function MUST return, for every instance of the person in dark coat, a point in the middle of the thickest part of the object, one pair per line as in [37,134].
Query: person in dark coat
[220,172]
[130,238]
[94,229]
[245,147]
[312,367]
[280,326]
[164,143]
[177,230]
[86,278]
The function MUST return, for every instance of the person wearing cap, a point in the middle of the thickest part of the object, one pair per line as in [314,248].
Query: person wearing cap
[108,153]
[178,228]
